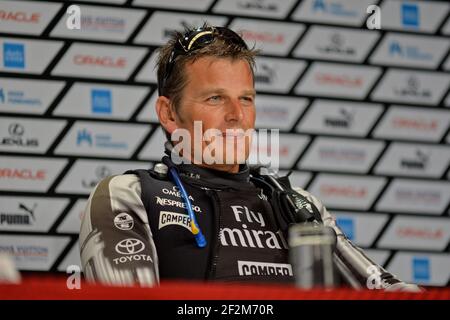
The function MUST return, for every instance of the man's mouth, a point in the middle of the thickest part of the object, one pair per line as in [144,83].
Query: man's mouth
[233,133]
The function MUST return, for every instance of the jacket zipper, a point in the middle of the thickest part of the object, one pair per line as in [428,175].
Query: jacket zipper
[211,271]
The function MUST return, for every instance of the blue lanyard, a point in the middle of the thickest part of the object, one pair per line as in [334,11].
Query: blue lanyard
[199,237]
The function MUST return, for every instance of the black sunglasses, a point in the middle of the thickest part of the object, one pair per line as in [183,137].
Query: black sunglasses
[194,40]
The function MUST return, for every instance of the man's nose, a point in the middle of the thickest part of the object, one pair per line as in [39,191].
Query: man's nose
[235,111]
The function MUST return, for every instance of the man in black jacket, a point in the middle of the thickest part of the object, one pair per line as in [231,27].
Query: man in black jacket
[200,213]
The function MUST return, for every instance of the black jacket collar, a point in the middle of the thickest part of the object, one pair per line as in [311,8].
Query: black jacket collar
[209,176]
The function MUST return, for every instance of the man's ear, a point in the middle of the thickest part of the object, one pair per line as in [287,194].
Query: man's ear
[166,114]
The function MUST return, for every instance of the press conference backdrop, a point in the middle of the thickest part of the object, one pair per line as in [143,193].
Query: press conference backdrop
[363,115]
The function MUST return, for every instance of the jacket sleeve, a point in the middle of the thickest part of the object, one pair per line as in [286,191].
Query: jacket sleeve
[353,264]
[116,243]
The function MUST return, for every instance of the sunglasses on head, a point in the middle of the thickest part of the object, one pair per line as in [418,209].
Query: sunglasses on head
[197,39]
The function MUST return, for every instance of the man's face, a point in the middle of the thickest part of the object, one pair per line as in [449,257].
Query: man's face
[220,94]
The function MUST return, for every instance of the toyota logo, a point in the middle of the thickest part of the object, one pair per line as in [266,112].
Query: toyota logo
[16,129]
[130,246]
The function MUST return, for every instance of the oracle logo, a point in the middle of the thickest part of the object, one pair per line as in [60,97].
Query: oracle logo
[418,124]
[105,61]
[344,81]
[409,232]
[20,16]
[22,174]
[263,37]
[345,191]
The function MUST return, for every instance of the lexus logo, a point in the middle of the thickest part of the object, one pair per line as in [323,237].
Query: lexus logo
[102,172]
[130,246]
[337,40]
[413,83]
[16,129]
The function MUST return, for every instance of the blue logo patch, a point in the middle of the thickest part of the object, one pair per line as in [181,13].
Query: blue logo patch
[84,135]
[2,96]
[410,15]
[421,269]
[101,101]
[347,226]
[395,48]
[408,52]
[14,55]
[334,8]
[319,5]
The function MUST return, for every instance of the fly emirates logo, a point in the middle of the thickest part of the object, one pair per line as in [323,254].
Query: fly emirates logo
[252,231]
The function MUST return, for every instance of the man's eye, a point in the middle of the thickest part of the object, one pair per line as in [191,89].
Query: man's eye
[214,98]
[247,99]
